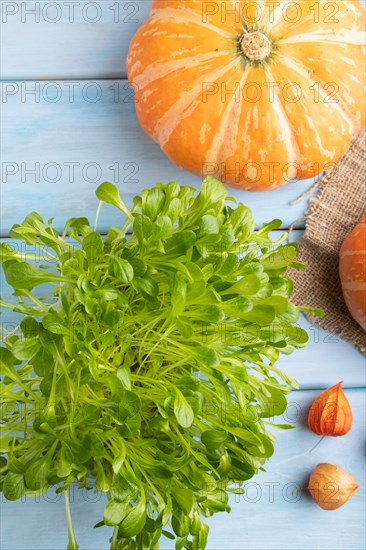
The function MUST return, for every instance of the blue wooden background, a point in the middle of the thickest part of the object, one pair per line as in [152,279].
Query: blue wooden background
[68,123]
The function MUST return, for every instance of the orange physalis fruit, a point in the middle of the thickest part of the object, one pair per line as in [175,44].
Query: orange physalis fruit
[331,414]
[331,486]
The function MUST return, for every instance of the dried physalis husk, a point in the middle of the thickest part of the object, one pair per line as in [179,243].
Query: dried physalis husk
[331,486]
[331,414]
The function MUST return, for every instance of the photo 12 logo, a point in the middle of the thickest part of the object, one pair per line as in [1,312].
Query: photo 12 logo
[273,10]
[253,92]
[71,12]
[68,172]
[67,91]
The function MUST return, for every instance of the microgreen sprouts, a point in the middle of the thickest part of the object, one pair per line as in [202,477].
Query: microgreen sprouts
[150,370]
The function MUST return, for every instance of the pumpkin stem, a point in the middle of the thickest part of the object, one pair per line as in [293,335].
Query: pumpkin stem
[255,46]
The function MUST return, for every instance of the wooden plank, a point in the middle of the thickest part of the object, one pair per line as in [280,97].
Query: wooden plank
[61,40]
[61,139]
[274,513]
[325,361]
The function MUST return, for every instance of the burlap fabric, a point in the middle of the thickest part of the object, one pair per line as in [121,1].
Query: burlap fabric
[333,212]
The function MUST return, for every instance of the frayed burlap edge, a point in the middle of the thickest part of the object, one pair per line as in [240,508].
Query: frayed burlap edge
[334,211]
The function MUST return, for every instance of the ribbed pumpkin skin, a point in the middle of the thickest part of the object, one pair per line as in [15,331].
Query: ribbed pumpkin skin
[352,271]
[184,65]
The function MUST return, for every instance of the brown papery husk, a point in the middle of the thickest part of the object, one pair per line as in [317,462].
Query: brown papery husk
[331,486]
[331,413]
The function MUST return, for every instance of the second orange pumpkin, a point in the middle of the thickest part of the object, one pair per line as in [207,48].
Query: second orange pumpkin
[254,92]
[352,272]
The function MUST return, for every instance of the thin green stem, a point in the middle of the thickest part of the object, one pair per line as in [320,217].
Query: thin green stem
[10,332]
[114,538]
[35,300]
[27,390]
[72,544]
[126,226]
[97,215]
[153,487]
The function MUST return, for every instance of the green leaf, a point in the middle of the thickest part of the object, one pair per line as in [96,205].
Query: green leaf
[29,327]
[128,406]
[282,286]
[178,289]
[101,482]
[278,303]
[13,487]
[282,426]
[237,307]
[142,228]
[6,361]
[209,314]
[213,192]
[213,439]
[180,523]
[227,238]
[54,323]
[99,524]
[263,233]
[229,266]
[36,475]
[209,225]
[175,208]
[163,227]
[42,361]
[78,226]
[107,192]
[180,243]
[241,220]
[168,535]
[119,459]
[247,285]
[17,466]
[21,275]
[74,265]
[7,252]
[182,410]
[122,270]
[26,348]
[274,404]
[313,311]
[295,335]
[93,247]
[261,315]
[152,202]
[207,357]
[64,466]
[138,266]
[114,512]
[203,536]
[147,286]
[280,258]
[184,328]
[35,221]
[124,374]
[133,523]
[290,315]
[188,382]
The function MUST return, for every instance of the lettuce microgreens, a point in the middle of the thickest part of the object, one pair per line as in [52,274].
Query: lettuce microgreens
[149,372]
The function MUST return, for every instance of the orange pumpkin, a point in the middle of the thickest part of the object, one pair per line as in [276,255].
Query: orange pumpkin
[254,92]
[352,271]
